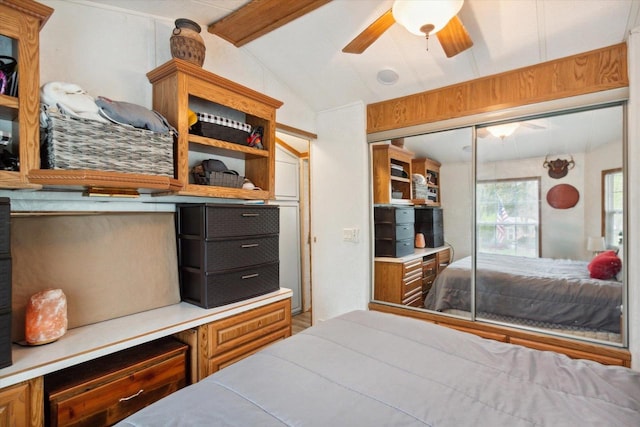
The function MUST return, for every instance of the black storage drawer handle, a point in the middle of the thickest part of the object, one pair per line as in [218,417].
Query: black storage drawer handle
[252,245]
[250,276]
[250,214]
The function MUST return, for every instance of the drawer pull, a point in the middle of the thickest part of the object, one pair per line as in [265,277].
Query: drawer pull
[250,276]
[124,399]
[252,245]
[250,214]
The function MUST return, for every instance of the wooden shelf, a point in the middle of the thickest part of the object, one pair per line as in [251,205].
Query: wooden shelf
[177,84]
[9,107]
[383,156]
[104,179]
[211,142]
[224,192]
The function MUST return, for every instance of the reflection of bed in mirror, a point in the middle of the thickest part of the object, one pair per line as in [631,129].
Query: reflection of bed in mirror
[553,294]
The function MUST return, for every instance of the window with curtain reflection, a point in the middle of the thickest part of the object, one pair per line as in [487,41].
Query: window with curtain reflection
[508,214]
[613,208]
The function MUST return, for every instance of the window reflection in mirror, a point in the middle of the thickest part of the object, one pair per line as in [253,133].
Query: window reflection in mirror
[548,192]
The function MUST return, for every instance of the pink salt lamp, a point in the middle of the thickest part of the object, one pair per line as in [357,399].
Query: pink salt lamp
[46,317]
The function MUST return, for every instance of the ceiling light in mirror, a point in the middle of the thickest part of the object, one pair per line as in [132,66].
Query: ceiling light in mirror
[503,131]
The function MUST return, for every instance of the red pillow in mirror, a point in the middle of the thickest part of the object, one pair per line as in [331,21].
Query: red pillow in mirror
[605,265]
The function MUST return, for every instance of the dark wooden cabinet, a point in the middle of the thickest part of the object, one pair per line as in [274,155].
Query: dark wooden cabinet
[227,252]
[429,273]
[103,391]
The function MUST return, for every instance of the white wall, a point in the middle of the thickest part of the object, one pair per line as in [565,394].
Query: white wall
[456,182]
[108,52]
[341,271]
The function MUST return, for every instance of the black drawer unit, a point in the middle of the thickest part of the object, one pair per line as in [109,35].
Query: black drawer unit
[429,223]
[5,282]
[394,231]
[227,252]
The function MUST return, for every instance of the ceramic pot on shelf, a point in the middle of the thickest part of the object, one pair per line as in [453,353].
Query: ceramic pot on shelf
[186,42]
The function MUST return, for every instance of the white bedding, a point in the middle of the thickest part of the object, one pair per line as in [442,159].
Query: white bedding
[369,369]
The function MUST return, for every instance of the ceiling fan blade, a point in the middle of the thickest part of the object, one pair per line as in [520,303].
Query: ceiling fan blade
[454,37]
[259,17]
[370,34]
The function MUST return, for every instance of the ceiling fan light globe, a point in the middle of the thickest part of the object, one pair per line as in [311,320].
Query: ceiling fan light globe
[504,130]
[416,14]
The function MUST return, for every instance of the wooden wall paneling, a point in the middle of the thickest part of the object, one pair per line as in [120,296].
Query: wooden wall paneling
[588,72]
[573,348]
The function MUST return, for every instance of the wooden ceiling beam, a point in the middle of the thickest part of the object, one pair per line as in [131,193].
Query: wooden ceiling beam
[260,17]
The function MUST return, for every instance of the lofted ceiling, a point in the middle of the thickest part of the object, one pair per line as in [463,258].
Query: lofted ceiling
[306,54]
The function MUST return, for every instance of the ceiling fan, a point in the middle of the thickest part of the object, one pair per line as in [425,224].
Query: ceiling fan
[259,17]
[420,18]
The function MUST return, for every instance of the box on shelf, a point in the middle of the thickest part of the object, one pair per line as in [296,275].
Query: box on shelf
[75,143]
[222,128]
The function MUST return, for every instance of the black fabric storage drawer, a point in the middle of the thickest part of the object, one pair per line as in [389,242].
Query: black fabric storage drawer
[214,221]
[5,339]
[429,223]
[392,214]
[398,232]
[434,240]
[228,254]
[393,248]
[216,289]
[5,226]
[5,284]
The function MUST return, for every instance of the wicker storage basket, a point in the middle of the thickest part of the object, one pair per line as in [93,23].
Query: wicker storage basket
[72,143]
[222,179]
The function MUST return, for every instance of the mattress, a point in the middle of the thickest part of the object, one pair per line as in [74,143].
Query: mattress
[369,368]
[557,291]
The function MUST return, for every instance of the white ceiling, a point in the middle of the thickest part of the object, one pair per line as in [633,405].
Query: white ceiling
[507,34]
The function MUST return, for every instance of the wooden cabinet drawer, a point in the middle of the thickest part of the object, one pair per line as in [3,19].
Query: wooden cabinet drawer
[429,267]
[232,356]
[21,404]
[226,334]
[105,390]
[412,286]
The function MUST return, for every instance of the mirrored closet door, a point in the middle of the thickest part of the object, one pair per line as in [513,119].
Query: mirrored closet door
[549,223]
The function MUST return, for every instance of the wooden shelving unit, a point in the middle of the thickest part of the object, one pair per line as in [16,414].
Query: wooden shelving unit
[387,186]
[430,169]
[175,84]
[21,22]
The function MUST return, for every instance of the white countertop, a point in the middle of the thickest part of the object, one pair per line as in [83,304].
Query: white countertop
[417,253]
[92,341]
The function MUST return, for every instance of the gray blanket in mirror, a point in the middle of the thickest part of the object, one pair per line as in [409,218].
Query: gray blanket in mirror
[540,289]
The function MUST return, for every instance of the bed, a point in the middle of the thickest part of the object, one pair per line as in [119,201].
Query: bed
[554,293]
[367,368]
